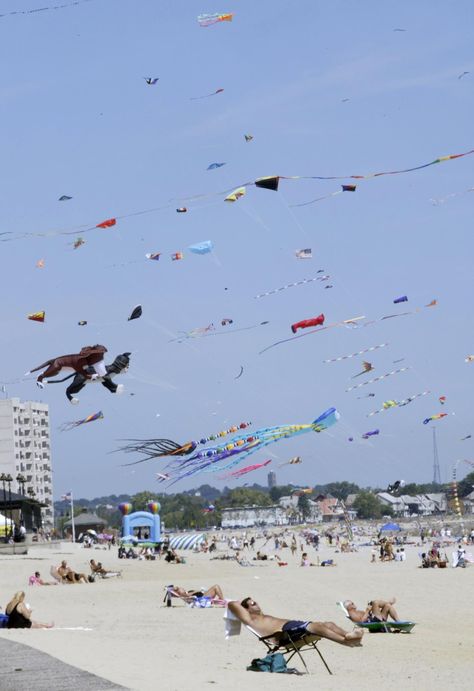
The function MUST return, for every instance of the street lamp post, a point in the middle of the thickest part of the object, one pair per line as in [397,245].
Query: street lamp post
[3,479]
[32,494]
[21,479]
[9,481]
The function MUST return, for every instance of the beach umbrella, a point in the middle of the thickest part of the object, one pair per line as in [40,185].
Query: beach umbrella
[186,541]
[390,526]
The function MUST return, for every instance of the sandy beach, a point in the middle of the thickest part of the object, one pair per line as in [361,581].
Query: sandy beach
[136,641]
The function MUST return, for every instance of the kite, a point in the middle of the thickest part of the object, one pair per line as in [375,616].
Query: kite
[78,243]
[37,317]
[213,166]
[397,404]
[89,356]
[236,450]
[399,360]
[151,81]
[372,433]
[81,323]
[154,256]
[367,395]
[328,286]
[240,373]
[344,188]
[359,352]
[236,474]
[349,188]
[469,436]
[119,366]
[463,74]
[135,313]
[226,321]
[442,400]
[201,247]
[161,477]
[40,264]
[372,381]
[176,256]
[156,448]
[236,194]
[268,183]
[210,19]
[401,299]
[438,416]
[107,223]
[181,210]
[197,98]
[469,358]
[293,461]
[248,137]
[347,322]
[290,285]
[64,198]
[90,418]
[304,254]
[306,323]
[391,489]
[367,367]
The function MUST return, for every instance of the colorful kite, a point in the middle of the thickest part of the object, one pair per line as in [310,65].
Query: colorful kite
[208,460]
[401,299]
[40,264]
[306,323]
[210,19]
[226,321]
[136,313]
[438,416]
[359,352]
[176,256]
[349,323]
[82,323]
[236,474]
[236,194]
[181,210]
[78,243]
[397,404]
[198,98]
[290,285]
[296,460]
[213,166]
[391,489]
[37,316]
[367,367]
[442,400]
[372,381]
[372,433]
[90,418]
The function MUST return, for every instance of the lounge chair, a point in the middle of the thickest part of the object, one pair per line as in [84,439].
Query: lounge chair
[55,574]
[381,626]
[283,642]
[192,600]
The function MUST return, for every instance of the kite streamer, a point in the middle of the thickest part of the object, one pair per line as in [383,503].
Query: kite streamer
[372,381]
[236,450]
[90,418]
[198,98]
[397,404]
[359,352]
[44,9]
[210,19]
[291,285]
[438,416]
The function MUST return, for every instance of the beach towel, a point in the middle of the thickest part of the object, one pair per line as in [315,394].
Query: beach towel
[232,624]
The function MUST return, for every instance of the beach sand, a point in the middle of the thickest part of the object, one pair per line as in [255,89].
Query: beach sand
[138,642]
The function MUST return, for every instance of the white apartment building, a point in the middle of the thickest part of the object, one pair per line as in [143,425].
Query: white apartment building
[25,449]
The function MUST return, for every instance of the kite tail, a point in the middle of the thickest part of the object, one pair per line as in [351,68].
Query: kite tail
[45,364]
[59,381]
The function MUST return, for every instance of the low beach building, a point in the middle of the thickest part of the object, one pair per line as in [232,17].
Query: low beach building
[254,516]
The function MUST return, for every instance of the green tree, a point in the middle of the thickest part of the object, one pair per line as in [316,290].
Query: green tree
[140,500]
[244,496]
[368,505]
[341,490]
[304,506]
[280,491]
[465,486]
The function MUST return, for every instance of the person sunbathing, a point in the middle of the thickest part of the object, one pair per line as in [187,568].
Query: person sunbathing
[376,611]
[37,580]
[250,614]
[19,614]
[214,592]
[70,576]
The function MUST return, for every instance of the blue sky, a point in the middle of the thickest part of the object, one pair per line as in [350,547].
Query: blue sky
[325,89]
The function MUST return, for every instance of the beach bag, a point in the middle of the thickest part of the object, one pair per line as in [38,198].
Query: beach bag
[270,663]
[3,620]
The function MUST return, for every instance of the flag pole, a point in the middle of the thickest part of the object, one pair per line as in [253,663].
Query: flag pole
[72,520]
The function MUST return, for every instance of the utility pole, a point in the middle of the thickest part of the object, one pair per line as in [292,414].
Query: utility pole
[436,470]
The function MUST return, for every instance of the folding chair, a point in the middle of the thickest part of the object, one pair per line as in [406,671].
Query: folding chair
[381,626]
[282,641]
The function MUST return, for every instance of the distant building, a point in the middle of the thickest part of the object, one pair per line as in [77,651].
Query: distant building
[25,451]
[86,520]
[420,504]
[254,516]
[272,479]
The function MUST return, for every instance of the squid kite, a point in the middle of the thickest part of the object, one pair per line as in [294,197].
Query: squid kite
[438,416]
[241,446]
[90,418]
